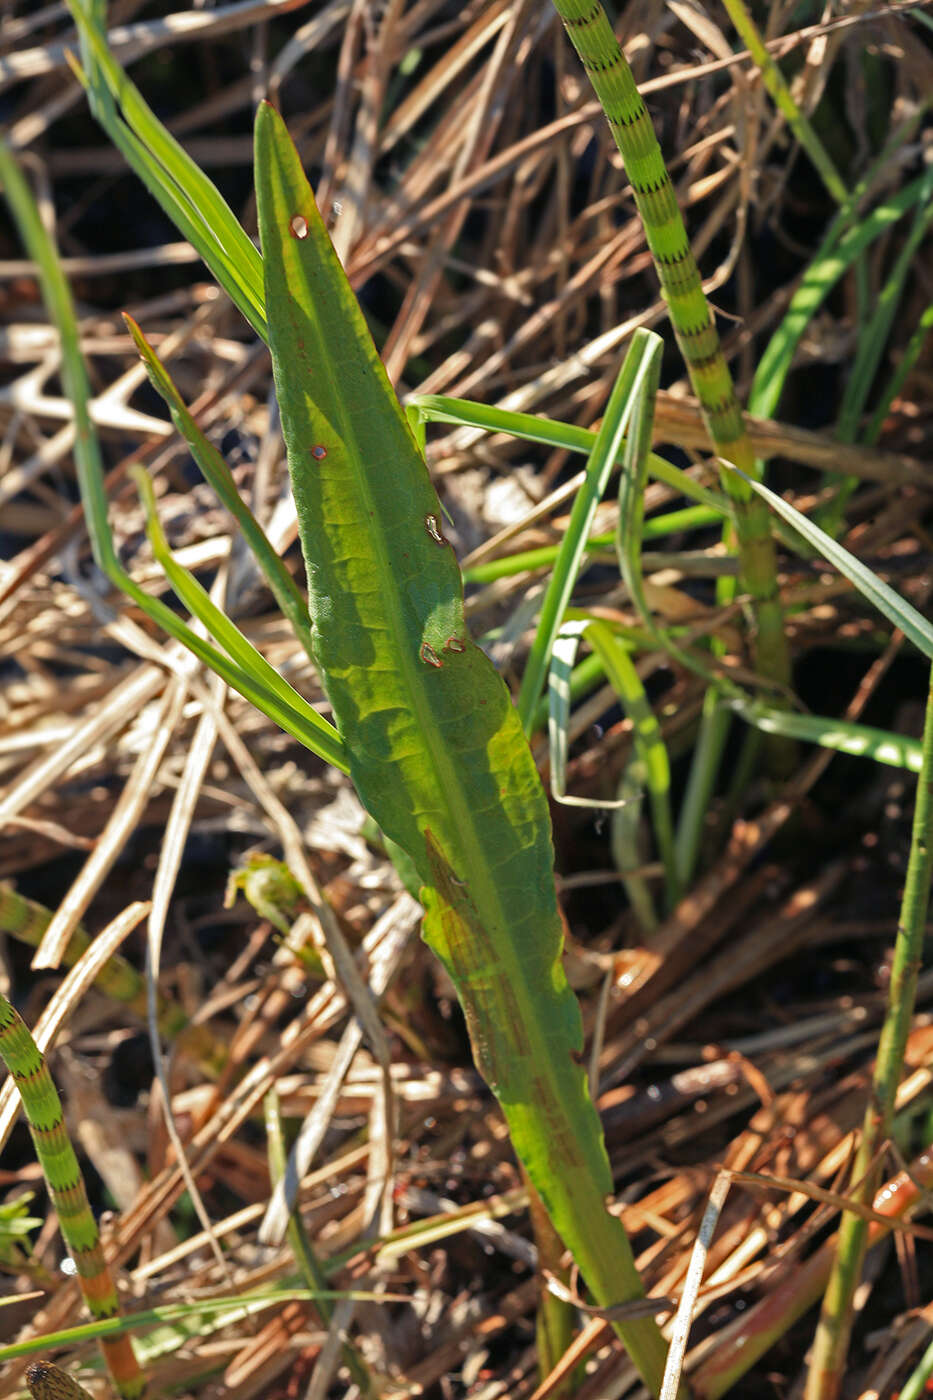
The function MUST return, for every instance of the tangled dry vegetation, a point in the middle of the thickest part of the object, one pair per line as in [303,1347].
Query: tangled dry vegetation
[484,217]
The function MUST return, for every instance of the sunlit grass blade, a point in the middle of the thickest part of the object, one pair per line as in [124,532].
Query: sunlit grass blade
[631,381]
[843,243]
[215,470]
[560,674]
[228,1309]
[859,740]
[648,772]
[648,742]
[550,432]
[191,200]
[315,734]
[254,677]
[888,602]
[437,751]
[783,98]
[65,1181]
[672,522]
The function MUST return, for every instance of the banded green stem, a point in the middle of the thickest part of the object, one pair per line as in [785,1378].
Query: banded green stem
[43,1110]
[691,318]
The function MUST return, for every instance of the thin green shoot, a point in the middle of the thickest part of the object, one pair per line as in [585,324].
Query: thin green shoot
[887,600]
[291,711]
[551,432]
[830,1346]
[774,81]
[630,384]
[189,198]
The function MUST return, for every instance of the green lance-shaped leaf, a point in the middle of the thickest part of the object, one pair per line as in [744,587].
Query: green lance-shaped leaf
[43,1110]
[436,748]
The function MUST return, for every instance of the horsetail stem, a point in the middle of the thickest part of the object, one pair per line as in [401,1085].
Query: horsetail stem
[694,328]
[43,1109]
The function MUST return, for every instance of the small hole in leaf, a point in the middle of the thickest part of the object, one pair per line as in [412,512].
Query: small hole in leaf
[433,527]
[298,226]
[430,656]
[319,451]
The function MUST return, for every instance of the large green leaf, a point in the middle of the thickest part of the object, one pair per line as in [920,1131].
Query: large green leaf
[436,748]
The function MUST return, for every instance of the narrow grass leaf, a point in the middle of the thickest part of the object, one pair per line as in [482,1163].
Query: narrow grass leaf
[550,432]
[895,608]
[631,381]
[843,244]
[860,740]
[648,742]
[255,678]
[191,200]
[315,734]
[215,470]
[560,676]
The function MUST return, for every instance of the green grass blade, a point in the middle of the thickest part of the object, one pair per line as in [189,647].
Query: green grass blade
[888,602]
[550,432]
[254,677]
[215,470]
[783,98]
[315,734]
[831,1342]
[861,740]
[43,1110]
[191,200]
[672,522]
[631,382]
[842,245]
[648,743]
[312,1270]
[437,750]
[560,684]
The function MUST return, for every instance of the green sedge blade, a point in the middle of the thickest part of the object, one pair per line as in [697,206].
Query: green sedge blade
[215,470]
[550,432]
[248,669]
[607,446]
[436,748]
[888,602]
[861,740]
[190,199]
